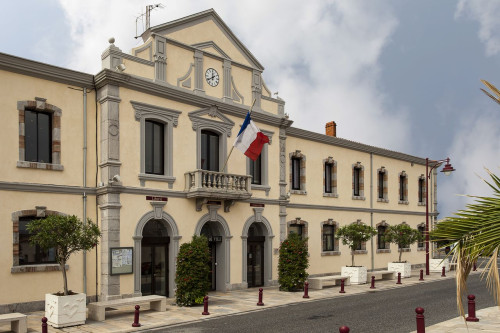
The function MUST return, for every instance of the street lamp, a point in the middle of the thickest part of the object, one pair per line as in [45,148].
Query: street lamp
[447,170]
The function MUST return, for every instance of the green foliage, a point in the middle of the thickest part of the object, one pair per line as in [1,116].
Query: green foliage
[193,269]
[67,234]
[293,262]
[472,233]
[355,234]
[403,235]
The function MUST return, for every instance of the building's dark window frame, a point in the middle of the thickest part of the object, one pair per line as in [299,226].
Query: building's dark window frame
[328,177]
[357,174]
[155,147]
[38,138]
[256,170]
[402,179]
[328,233]
[421,190]
[210,144]
[24,241]
[381,184]
[381,242]
[296,173]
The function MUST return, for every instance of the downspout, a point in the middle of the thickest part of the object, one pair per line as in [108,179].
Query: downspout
[84,183]
[371,210]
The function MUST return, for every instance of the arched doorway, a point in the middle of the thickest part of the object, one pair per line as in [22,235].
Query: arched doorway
[154,258]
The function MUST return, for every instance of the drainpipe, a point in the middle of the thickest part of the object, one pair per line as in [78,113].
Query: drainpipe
[371,210]
[84,183]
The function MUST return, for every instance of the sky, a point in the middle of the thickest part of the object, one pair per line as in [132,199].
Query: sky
[398,74]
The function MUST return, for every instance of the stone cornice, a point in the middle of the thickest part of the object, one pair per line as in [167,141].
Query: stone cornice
[46,188]
[358,209]
[44,71]
[331,140]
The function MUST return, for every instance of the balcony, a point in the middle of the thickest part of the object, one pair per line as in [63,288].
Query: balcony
[207,185]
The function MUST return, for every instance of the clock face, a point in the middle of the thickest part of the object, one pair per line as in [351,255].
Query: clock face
[212,77]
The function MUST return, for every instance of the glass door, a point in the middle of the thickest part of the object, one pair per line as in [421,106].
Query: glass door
[154,273]
[255,263]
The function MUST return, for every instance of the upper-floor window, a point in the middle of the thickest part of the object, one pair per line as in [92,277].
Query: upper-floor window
[295,173]
[298,172]
[403,188]
[330,178]
[209,150]
[357,181]
[380,184]
[155,151]
[256,170]
[421,190]
[39,135]
[30,254]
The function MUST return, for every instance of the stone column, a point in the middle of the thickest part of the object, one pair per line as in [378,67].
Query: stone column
[283,183]
[226,81]
[109,199]
[160,58]
[198,72]
[256,89]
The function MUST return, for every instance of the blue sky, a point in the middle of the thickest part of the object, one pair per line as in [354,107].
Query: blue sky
[399,74]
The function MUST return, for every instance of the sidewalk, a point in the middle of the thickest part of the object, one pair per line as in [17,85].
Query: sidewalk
[241,301]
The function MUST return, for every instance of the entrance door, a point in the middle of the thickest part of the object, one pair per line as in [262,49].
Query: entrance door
[213,265]
[154,272]
[255,262]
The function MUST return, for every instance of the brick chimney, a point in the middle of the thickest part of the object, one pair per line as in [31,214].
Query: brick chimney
[331,128]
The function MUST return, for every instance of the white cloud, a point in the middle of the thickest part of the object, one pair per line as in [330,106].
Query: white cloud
[486,12]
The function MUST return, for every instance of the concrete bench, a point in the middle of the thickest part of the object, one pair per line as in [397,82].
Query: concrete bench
[18,321]
[97,310]
[319,282]
[380,275]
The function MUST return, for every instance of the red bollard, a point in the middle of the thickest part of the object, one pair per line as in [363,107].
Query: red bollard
[205,306]
[443,272]
[136,317]
[399,278]
[420,320]
[342,287]
[44,325]
[260,297]
[421,275]
[344,329]
[373,283]
[472,309]
[306,290]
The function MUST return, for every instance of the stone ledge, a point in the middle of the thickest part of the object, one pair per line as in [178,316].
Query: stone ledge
[40,166]
[330,253]
[36,268]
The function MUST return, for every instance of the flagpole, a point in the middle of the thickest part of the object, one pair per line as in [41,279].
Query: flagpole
[225,163]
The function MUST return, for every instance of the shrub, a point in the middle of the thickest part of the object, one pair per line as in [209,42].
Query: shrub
[67,235]
[403,235]
[293,262]
[353,235]
[192,275]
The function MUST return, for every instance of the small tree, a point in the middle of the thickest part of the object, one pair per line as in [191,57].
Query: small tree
[192,275]
[403,235]
[293,262]
[353,235]
[67,235]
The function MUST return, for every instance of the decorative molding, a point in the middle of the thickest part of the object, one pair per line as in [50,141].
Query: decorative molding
[186,84]
[235,95]
[212,44]
[143,48]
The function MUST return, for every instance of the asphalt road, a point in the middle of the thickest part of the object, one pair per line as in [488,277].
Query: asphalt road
[381,311]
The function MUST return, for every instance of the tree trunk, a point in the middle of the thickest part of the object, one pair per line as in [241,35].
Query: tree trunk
[65,279]
[352,258]
[400,253]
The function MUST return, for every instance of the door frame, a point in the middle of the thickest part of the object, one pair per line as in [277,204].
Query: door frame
[154,242]
[259,241]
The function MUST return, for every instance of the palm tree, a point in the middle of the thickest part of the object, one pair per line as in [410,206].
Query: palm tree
[472,233]
[493,89]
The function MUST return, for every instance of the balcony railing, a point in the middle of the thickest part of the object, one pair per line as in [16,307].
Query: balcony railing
[217,185]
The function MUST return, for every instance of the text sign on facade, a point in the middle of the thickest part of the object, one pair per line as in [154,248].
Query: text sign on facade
[256,205]
[153,198]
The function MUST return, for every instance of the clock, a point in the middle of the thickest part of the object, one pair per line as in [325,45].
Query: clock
[212,77]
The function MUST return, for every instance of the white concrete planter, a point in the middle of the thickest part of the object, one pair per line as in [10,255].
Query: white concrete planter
[64,311]
[436,265]
[356,274]
[400,267]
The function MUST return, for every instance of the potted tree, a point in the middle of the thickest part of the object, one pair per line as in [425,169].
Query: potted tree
[66,235]
[403,235]
[353,235]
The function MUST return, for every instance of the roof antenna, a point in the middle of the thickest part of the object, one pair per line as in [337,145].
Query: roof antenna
[149,8]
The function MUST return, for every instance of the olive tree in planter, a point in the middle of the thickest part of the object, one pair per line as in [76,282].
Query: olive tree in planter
[353,235]
[67,235]
[402,235]
[293,263]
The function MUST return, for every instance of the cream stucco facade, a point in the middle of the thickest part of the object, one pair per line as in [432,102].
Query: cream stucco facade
[99,170]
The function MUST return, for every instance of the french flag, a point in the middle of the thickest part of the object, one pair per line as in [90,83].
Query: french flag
[250,139]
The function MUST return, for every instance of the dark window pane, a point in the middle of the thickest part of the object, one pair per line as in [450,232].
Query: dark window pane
[295,229]
[32,254]
[380,236]
[356,181]
[295,173]
[209,151]
[328,178]
[401,188]
[204,151]
[149,147]
[328,232]
[422,232]
[421,190]
[30,136]
[154,150]
[44,138]
[255,170]
[381,185]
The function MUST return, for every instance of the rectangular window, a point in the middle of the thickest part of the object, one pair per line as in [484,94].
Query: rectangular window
[209,151]
[356,181]
[402,188]
[30,254]
[381,185]
[295,173]
[38,137]
[380,237]
[328,177]
[296,229]
[421,190]
[155,141]
[256,170]
[328,237]
[421,229]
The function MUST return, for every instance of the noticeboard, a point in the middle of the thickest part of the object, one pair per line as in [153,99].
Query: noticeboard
[121,260]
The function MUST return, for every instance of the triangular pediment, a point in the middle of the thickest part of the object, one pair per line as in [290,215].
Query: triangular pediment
[211,118]
[208,32]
